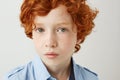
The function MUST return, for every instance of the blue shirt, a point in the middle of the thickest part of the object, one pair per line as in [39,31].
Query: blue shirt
[36,70]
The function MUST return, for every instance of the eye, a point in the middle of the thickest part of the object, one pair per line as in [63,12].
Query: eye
[40,30]
[62,30]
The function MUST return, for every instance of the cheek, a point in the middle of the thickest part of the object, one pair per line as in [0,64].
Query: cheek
[68,41]
[38,45]
[37,42]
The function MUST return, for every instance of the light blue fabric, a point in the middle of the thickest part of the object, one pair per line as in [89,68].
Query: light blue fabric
[36,70]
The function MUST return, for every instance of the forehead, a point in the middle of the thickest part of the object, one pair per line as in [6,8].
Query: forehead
[57,15]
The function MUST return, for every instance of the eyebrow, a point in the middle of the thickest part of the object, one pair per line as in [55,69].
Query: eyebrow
[39,24]
[63,23]
[58,23]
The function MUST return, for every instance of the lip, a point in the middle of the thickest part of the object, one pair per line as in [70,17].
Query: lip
[51,54]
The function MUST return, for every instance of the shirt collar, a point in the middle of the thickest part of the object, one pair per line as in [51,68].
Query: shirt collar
[77,71]
[40,70]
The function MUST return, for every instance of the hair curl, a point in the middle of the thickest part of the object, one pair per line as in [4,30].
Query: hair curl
[80,12]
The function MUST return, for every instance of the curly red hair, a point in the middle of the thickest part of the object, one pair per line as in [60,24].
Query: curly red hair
[80,12]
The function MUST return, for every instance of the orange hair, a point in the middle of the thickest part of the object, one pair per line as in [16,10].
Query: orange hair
[80,12]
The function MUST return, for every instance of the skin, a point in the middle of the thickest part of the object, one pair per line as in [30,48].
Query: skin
[55,37]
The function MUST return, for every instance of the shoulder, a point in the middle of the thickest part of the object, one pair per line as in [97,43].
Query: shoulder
[86,73]
[19,73]
[89,71]
[13,74]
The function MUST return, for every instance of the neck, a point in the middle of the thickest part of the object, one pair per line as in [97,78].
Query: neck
[60,72]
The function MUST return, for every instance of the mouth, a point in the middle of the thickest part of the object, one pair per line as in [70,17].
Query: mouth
[51,55]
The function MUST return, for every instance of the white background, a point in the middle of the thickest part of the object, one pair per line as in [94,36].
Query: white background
[100,52]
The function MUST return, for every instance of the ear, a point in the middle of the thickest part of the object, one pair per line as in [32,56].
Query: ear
[78,41]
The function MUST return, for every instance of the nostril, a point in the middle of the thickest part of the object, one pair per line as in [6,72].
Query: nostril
[51,45]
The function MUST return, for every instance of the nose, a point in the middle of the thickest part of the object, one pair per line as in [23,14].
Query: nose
[51,41]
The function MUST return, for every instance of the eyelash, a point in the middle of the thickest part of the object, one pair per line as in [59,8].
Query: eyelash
[40,30]
[61,29]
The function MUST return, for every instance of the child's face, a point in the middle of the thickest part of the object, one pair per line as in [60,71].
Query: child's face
[55,36]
